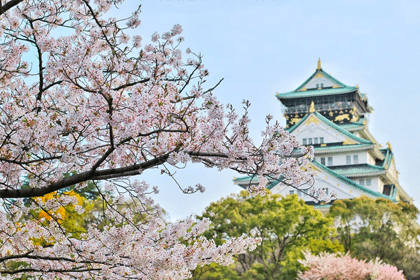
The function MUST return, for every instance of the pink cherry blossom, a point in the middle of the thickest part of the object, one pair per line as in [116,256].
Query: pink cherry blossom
[342,267]
[97,106]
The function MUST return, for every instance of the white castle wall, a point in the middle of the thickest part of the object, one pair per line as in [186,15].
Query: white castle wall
[341,158]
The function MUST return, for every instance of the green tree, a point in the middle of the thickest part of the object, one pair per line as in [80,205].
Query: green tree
[380,228]
[286,225]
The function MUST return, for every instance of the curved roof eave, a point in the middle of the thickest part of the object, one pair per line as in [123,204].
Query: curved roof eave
[351,182]
[316,92]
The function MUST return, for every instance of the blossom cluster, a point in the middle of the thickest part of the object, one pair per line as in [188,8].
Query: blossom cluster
[147,249]
[342,267]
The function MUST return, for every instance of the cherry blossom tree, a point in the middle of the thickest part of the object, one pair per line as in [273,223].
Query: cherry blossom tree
[336,267]
[82,101]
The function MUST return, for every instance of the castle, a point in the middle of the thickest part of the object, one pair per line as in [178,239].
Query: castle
[334,119]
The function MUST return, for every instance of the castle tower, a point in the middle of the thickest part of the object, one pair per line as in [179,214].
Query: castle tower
[333,117]
[334,100]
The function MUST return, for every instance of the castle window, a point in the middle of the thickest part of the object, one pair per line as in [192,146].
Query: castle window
[309,141]
[330,161]
[291,192]
[321,140]
[315,140]
[362,182]
[326,191]
[303,192]
[348,159]
[355,159]
[323,161]
[317,85]
[304,141]
[368,182]
[322,85]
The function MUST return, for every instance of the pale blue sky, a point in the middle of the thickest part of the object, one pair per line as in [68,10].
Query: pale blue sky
[264,47]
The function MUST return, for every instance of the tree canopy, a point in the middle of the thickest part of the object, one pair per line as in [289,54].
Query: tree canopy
[286,227]
[380,228]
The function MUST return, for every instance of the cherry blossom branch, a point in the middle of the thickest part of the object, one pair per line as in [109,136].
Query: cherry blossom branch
[83,177]
[4,8]
[111,109]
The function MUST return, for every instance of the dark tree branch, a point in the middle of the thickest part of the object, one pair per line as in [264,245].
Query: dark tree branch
[4,8]
[131,84]
[74,270]
[84,176]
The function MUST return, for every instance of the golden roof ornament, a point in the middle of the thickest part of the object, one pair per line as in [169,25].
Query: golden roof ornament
[312,108]
[347,141]
[319,64]
[389,145]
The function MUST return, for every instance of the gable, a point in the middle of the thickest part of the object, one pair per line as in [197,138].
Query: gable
[320,80]
[317,126]
[322,180]
[313,127]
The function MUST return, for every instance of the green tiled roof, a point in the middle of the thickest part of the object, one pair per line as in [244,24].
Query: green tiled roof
[322,206]
[354,125]
[272,184]
[333,125]
[245,178]
[314,92]
[388,157]
[351,126]
[340,89]
[342,178]
[249,179]
[357,169]
[351,182]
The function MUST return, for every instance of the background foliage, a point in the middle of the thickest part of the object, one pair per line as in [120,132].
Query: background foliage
[370,229]
[286,226]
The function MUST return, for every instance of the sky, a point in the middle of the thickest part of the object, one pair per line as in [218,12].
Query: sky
[264,47]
